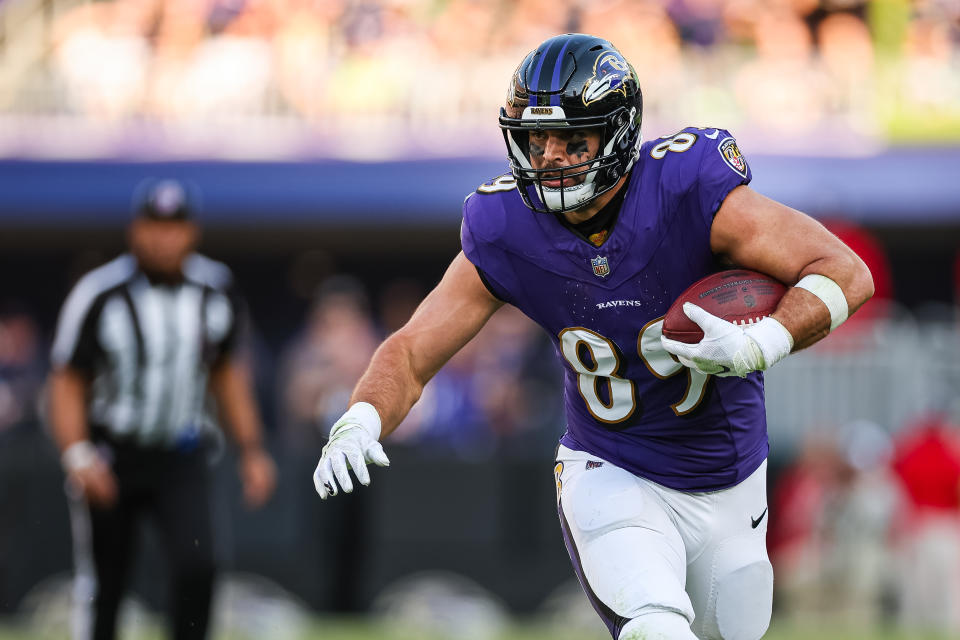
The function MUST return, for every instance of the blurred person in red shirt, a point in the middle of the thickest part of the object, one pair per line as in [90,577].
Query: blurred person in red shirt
[795,536]
[860,515]
[927,461]
[835,507]
[873,254]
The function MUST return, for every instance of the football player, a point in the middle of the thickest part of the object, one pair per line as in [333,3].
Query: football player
[661,474]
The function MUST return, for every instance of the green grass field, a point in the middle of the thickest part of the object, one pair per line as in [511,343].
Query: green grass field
[338,629]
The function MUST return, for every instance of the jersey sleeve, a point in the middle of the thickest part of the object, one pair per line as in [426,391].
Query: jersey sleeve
[475,240]
[237,335]
[722,168]
[697,169]
[75,342]
[240,324]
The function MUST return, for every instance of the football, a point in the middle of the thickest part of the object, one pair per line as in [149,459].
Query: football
[739,296]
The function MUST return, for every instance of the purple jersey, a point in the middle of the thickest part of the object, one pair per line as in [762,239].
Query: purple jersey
[626,399]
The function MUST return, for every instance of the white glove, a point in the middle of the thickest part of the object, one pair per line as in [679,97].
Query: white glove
[728,349]
[353,442]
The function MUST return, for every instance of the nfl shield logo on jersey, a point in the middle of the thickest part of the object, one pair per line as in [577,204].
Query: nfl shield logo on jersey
[600,266]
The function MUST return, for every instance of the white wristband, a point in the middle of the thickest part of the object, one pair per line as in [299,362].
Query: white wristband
[363,414]
[830,294]
[774,340]
[79,455]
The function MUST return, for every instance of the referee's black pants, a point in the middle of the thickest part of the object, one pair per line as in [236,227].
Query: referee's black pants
[172,489]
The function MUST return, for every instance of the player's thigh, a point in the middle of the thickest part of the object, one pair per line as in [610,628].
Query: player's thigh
[731,581]
[624,546]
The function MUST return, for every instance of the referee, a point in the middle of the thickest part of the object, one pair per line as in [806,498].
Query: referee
[138,344]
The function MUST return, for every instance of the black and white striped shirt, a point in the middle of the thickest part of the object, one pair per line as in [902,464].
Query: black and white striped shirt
[148,348]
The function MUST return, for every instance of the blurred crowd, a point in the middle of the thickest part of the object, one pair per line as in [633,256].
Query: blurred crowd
[22,366]
[388,77]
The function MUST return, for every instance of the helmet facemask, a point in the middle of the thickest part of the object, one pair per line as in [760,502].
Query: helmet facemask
[601,173]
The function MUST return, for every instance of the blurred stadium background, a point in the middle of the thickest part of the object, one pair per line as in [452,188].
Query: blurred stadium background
[331,143]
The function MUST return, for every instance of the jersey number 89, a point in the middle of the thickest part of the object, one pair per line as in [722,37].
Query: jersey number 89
[603,368]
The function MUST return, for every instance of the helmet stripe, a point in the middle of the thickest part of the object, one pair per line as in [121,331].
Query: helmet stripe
[555,81]
[535,82]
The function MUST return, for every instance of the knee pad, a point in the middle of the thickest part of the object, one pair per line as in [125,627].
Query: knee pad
[745,602]
[658,625]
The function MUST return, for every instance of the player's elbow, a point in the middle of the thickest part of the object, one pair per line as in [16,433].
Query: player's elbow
[860,287]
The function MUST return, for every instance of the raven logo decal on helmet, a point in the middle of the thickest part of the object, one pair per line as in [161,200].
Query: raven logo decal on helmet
[609,72]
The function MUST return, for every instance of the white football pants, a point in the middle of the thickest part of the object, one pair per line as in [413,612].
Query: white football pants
[640,548]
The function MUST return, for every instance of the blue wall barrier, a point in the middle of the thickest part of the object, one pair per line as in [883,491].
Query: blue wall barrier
[905,186]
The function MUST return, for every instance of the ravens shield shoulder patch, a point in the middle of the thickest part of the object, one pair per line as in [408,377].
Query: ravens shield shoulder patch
[733,156]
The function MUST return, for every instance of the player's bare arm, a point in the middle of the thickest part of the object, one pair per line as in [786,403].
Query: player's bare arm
[231,385]
[68,388]
[758,233]
[829,282]
[445,321]
[68,420]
